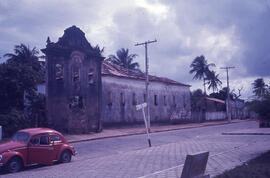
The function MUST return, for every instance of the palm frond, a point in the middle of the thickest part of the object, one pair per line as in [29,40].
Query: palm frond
[124,59]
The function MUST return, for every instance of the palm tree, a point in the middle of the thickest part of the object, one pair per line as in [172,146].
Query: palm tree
[23,55]
[200,67]
[124,59]
[259,87]
[212,80]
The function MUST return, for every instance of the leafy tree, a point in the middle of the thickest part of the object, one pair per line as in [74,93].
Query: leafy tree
[212,80]
[13,121]
[36,110]
[222,94]
[10,88]
[200,67]
[23,55]
[124,59]
[195,96]
[98,51]
[259,87]
[261,105]
[197,93]
[18,77]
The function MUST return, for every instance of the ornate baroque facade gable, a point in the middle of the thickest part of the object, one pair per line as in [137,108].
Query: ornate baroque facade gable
[73,83]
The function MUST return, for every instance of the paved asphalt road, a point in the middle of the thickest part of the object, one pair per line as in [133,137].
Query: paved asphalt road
[130,156]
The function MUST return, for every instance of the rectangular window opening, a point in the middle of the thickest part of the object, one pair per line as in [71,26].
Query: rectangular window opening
[122,99]
[155,98]
[59,71]
[134,101]
[76,74]
[109,98]
[76,102]
[184,100]
[91,75]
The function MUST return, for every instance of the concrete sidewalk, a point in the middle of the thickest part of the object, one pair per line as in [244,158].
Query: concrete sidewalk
[257,131]
[129,130]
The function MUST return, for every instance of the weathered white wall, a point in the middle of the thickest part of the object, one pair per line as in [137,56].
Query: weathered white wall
[215,115]
[115,112]
[118,113]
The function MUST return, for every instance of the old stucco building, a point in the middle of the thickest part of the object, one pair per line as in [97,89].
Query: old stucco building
[83,92]
[73,83]
[123,89]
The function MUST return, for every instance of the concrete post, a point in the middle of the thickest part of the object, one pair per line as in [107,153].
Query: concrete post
[147,81]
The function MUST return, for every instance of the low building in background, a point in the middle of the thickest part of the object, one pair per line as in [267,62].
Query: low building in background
[210,109]
[239,110]
[207,109]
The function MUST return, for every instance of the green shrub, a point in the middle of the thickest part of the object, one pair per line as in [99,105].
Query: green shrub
[262,107]
[13,121]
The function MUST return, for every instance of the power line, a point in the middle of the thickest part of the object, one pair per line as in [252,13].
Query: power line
[147,79]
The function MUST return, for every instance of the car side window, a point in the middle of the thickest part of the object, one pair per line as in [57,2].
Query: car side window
[35,141]
[51,138]
[44,140]
[55,138]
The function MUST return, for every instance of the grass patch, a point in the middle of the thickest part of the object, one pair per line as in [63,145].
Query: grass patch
[258,167]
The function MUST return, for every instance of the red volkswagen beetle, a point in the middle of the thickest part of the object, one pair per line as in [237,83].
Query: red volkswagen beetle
[34,146]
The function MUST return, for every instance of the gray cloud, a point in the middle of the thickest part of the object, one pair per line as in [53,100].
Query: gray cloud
[31,22]
[249,19]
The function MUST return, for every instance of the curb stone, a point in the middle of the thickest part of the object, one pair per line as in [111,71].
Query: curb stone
[245,133]
[207,124]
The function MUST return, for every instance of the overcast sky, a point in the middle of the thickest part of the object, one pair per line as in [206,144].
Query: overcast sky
[227,32]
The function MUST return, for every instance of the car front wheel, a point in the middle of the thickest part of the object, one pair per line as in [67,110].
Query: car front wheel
[66,157]
[14,165]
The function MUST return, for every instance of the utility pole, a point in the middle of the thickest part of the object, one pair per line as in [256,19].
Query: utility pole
[228,108]
[147,80]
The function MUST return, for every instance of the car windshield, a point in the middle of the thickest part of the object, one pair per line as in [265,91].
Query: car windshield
[21,137]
